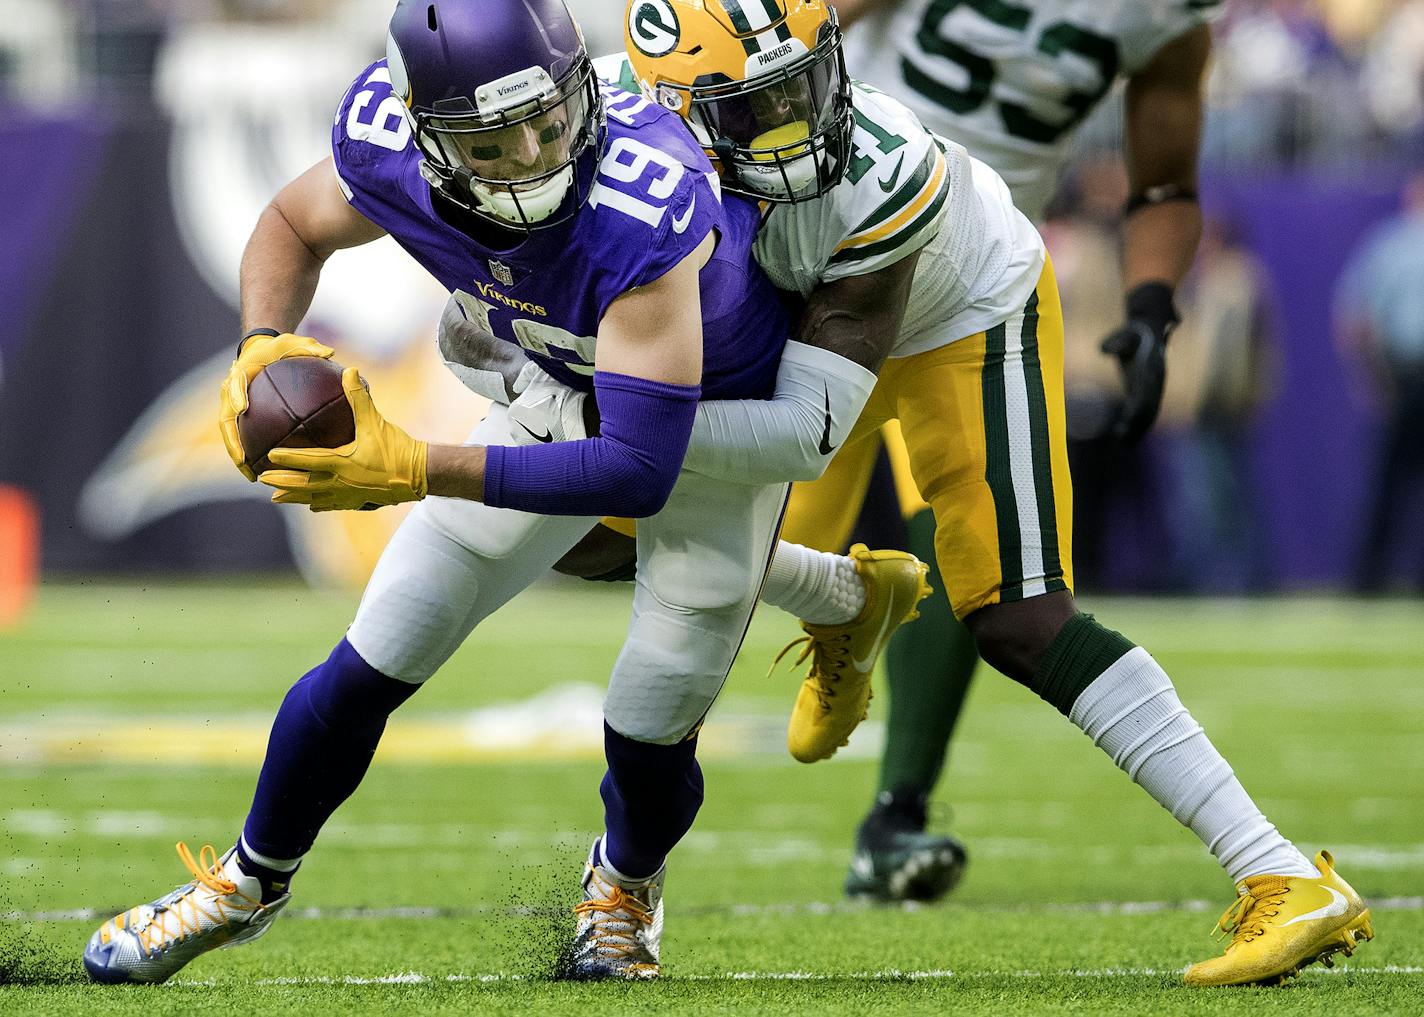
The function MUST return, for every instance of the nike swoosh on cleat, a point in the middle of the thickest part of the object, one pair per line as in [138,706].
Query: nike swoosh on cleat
[864,666]
[826,448]
[545,437]
[889,185]
[1336,907]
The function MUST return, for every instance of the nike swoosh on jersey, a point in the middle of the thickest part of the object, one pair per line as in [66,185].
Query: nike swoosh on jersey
[679,224]
[826,448]
[545,437]
[1334,909]
[889,185]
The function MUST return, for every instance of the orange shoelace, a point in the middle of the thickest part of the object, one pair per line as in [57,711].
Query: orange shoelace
[155,936]
[610,907]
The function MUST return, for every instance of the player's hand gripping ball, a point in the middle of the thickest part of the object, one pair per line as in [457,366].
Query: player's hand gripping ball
[257,353]
[296,403]
[379,465]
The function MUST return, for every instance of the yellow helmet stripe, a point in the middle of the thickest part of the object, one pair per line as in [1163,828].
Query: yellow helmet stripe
[922,201]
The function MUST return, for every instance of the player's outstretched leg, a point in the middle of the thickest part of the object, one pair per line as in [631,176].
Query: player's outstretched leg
[321,744]
[1288,912]
[651,795]
[849,613]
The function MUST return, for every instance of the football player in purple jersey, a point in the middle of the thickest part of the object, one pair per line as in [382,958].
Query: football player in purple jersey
[584,225]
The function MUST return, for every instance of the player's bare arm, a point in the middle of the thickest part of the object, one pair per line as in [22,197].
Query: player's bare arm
[859,318]
[1162,124]
[308,221]
[485,363]
[299,229]
[1162,120]
[669,352]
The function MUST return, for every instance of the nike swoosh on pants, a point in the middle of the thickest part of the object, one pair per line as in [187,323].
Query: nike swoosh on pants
[826,448]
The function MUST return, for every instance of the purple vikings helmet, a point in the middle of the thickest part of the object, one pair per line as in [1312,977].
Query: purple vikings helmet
[504,105]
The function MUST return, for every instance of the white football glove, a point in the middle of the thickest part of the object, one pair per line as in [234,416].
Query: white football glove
[545,410]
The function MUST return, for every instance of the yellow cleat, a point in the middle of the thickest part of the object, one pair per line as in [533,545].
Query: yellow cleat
[835,693]
[1281,924]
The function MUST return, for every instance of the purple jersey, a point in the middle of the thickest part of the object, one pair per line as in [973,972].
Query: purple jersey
[652,204]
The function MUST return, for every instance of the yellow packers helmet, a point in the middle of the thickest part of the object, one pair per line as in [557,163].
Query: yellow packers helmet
[762,83]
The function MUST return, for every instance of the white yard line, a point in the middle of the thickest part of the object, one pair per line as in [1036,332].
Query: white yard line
[888,974]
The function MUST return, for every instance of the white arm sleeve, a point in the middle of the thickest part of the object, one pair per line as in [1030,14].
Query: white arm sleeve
[791,436]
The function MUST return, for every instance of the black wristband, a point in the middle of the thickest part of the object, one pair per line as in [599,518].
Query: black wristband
[1159,195]
[256,331]
[1152,302]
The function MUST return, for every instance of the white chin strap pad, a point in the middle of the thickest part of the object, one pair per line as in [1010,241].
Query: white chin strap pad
[766,178]
[537,203]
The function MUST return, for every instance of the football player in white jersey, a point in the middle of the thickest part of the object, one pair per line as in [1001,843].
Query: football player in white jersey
[1012,80]
[974,375]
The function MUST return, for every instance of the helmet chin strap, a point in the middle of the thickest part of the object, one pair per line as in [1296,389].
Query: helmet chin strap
[531,206]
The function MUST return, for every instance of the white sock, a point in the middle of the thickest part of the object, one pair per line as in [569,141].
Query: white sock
[1131,711]
[275,864]
[820,588]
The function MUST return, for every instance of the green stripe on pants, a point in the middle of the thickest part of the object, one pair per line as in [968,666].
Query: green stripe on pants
[998,470]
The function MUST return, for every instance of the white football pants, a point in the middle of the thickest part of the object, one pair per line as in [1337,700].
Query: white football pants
[701,562]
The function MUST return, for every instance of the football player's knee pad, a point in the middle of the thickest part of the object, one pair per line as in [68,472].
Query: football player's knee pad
[445,570]
[707,580]
[422,600]
[670,671]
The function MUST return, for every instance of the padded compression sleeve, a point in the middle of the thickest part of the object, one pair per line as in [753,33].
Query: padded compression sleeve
[791,436]
[629,470]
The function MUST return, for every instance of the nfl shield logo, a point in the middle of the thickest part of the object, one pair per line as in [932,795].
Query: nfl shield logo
[502,273]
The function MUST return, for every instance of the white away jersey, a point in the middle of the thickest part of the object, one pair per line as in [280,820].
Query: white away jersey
[904,191]
[1011,81]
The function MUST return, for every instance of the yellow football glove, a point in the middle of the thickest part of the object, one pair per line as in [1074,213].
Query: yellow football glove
[257,353]
[382,466]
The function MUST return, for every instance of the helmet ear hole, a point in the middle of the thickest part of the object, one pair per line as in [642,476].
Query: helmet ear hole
[430,18]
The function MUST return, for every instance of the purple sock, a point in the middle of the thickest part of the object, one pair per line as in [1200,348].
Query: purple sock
[651,794]
[321,744]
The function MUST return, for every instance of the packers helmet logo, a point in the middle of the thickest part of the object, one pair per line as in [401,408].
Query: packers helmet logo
[653,27]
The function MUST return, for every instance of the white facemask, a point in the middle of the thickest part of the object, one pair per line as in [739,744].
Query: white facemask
[537,203]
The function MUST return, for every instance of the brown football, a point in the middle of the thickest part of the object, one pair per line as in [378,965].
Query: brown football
[294,403]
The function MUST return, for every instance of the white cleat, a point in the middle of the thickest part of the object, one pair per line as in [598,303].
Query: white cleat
[150,943]
[620,927]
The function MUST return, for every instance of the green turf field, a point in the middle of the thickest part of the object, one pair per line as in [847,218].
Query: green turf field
[133,717]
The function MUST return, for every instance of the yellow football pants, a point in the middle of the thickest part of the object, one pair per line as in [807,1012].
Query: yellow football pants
[977,428]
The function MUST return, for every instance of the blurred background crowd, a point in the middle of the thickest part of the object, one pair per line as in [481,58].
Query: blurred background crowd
[142,137]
